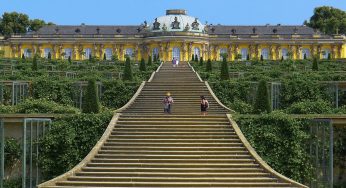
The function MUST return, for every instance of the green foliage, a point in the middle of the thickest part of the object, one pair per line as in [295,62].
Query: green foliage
[241,107]
[44,106]
[49,56]
[281,141]
[328,20]
[142,66]
[12,152]
[201,61]
[36,24]
[196,58]
[261,58]
[209,67]
[224,70]
[117,93]
[104,57]
[13,183]
[14,22]
[115,57]
[310,107]
[127,76]
[91,102]
[262,103]
[315,63]
[69,59]
[34,63]
[69,141]
[192,57]
[2,53]
[150,61]
[248,57]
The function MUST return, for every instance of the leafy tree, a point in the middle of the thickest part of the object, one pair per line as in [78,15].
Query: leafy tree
[328,20]
[248,57]
[261,57]
[49,56]
[209,66]
[36,24]
[193,58]
[91,102]
[224,69]
[149,60]
[34,63]
[201,61]
[262,103]
[104,57]
[14,23]
[23,56]
[142,65]
[315,63]
[196,58]
[127,70]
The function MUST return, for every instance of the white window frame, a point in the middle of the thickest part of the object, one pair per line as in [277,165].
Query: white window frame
[154,52]
[325,53]
[176,53]
[244,52]
[88,52]
[108,52]
[26,53]
[265,53]
[196,51]
[68,52]
[129,52]
[284,52]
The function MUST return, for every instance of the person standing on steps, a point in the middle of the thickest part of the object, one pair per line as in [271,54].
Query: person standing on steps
[167,103]
[204,105]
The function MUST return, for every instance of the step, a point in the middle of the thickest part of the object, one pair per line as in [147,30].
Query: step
[152,156]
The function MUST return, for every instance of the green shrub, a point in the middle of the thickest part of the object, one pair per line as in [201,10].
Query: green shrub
[241,107]
[201,61]
[142,66]
[224,70]
[91,102]
[34,63]
[44,106]
[128,70]
[150,61]
[6,109]
[310,107]
[209,67]
[262,102]
[315,63]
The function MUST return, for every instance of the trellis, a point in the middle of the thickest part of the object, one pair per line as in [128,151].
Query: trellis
[19,91]
[275,88]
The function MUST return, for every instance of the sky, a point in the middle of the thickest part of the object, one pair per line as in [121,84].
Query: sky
[135,12]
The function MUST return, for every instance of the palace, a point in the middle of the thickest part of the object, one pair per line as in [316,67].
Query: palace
[175,35]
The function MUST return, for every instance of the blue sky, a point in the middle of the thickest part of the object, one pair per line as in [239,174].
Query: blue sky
[133,12]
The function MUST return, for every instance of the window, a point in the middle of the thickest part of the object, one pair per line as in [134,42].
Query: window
[108,53]
[155,53]
[222,52]
[129,52]
[284,53]
[325,53]
[244,53]
[196,51]
[46,52]
[27,52]
[265,53]
[305,53]
[68,52]
[87,53]
[176,53]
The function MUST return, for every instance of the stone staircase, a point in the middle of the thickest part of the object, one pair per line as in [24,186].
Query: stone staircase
[143,147]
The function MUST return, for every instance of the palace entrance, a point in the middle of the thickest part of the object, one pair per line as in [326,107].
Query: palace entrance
[176,53]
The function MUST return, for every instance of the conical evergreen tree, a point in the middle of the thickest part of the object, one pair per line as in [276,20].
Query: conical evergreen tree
[224,69]
[201,61]
[261,57]
[315,63]
[329,56]
[104,57]
[158,57]
[127,70]
[262,103]
[196,58]
[23,56]
[209,66]
[149,60]
[69,59]
[91,102]
[247,57]
[34,63]
[142,65]
[193,58]
[49,56]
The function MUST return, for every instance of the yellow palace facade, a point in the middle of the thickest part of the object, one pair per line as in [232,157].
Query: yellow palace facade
[175,35]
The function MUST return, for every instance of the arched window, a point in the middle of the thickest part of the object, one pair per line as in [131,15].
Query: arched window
[155,53]
[108,53]
[87,53]
[176,53]
[265,53]
[68,53]
[129,52]
[325,53]
[305,53]
[244,53]
[196,51]
[46,52]
[223,51]
[27,52]
[284,53]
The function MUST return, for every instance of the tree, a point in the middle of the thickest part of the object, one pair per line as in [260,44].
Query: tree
[142,65]
[23,56]
[224,69]
[69,59]
[36,24]
[315,63]
[329,56]
[261,57]
[155,58]
[104,57]
[2,53]
[304,56]
[149,60]
[14,22]
[328,20]
[49,56]
[127,70]
[158,57]
[196,58]
[201,61]
[91,102]
[282,58]
[34,63]
[90,57]
[193,58]
[209,66]
[248,57]
[262,103]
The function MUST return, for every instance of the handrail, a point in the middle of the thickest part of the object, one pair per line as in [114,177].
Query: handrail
[217,99]
[88,158]
[254,154]
[153,73]
[193,69]
[132,99]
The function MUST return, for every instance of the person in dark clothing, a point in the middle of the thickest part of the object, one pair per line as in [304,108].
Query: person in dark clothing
[167,103]
[204,105]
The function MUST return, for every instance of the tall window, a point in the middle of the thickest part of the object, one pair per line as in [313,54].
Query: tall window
[265,53]
[108,53]
[46,52]
[68,53]
[244,53]
[196,51]
[284,53]
[325,53]
[305,53]
[155,53]
[87,53]
[129,52]
[27,52]
[176,53]
[222,52]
